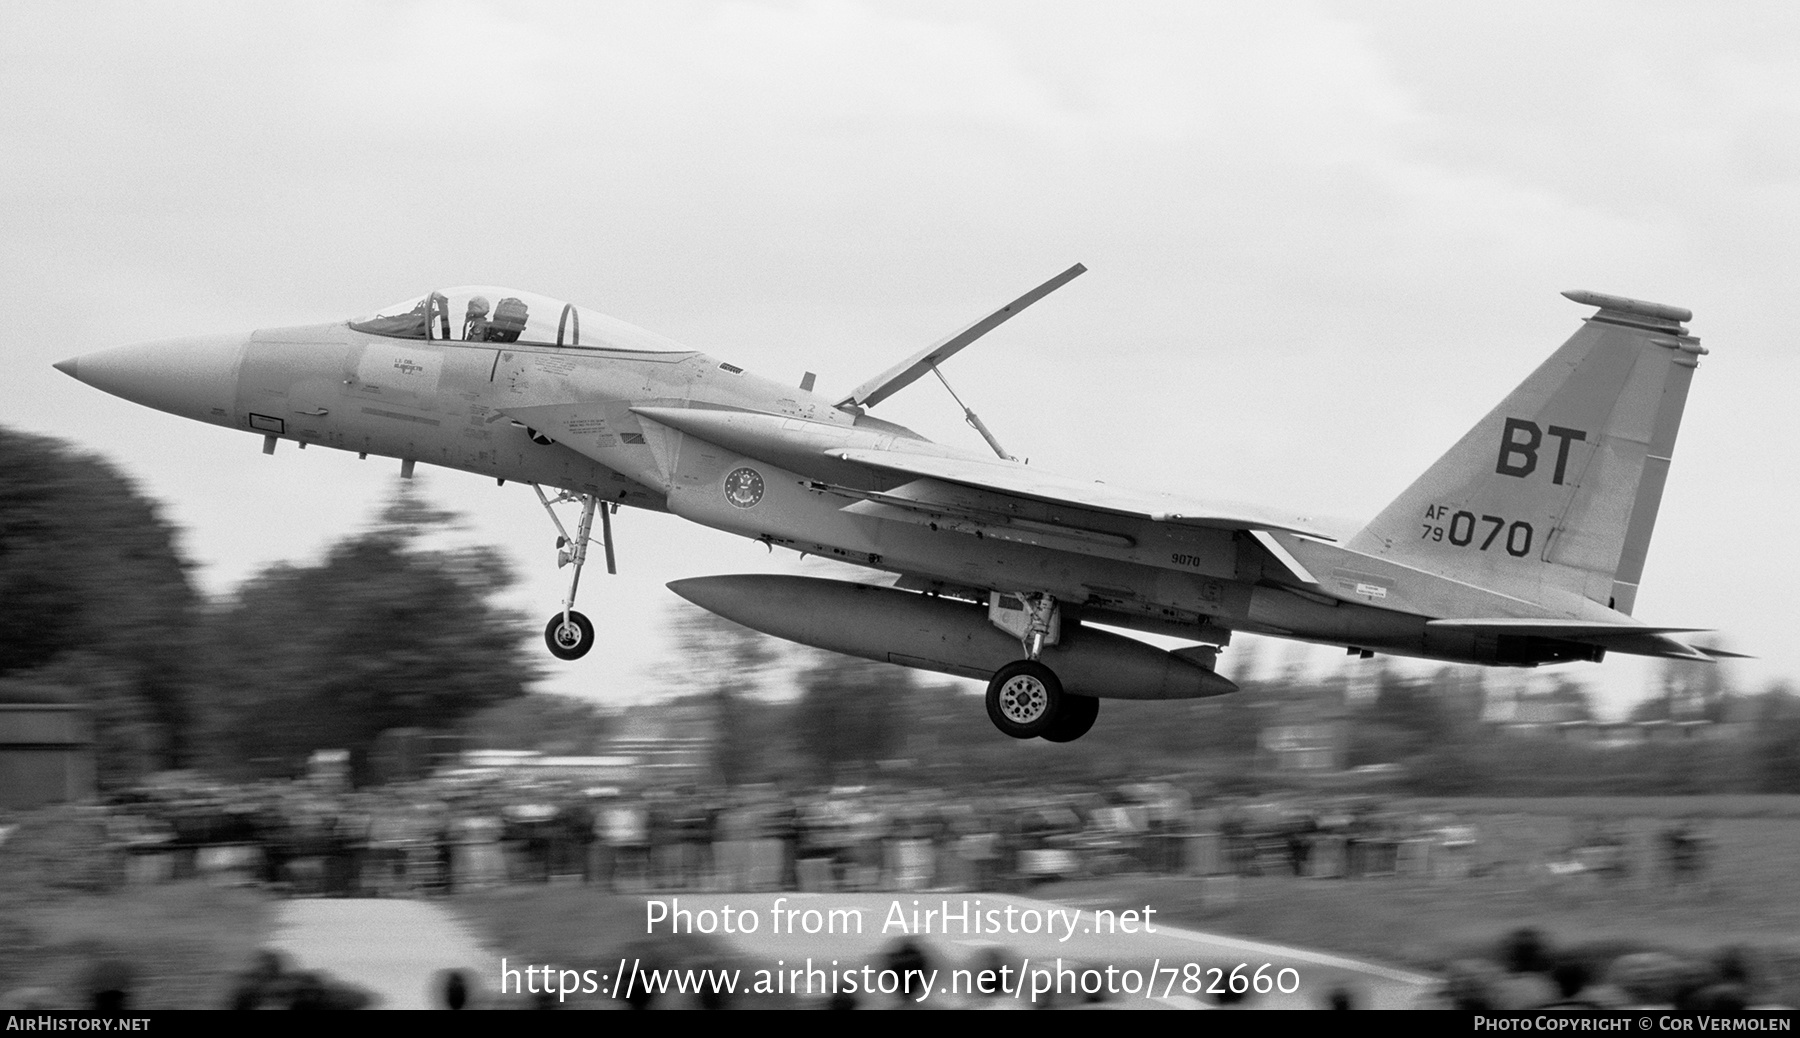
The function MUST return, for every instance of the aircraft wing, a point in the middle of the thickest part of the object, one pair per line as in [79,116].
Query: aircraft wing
[1038,485]
[941,481]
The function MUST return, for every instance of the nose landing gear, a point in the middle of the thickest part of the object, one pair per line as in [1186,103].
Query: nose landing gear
[569,634]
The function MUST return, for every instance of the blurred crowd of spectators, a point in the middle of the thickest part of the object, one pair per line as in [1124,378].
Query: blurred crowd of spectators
[470,832]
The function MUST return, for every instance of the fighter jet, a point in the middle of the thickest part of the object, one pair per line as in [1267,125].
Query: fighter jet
[1523,545]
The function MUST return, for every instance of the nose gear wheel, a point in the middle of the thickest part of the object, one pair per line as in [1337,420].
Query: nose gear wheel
[569,635]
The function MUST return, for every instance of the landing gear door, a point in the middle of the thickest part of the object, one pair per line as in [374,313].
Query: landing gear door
[1018,616]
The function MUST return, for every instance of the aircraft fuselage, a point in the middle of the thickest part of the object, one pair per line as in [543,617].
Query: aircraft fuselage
[1522,545]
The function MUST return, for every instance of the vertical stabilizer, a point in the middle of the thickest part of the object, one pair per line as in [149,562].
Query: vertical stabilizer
[1555,492]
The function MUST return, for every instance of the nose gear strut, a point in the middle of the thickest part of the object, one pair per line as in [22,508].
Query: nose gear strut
[569,634]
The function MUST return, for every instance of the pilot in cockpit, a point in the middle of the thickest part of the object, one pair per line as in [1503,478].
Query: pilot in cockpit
[475,321]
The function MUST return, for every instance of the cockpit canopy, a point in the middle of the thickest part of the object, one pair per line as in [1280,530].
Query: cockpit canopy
[484,313]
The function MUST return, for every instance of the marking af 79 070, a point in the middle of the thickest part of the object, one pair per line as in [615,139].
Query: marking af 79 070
[1522,545]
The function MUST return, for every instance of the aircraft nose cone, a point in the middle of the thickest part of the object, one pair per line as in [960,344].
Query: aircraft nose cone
[193,377]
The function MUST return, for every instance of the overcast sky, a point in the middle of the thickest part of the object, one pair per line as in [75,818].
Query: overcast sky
[1324,239]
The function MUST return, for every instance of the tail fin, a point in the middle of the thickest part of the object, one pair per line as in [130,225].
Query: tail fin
[1556,491]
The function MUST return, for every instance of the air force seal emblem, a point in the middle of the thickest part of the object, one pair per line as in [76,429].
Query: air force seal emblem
[744,487]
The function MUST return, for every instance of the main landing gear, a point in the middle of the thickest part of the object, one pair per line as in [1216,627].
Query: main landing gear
[569,634]
[1025,699]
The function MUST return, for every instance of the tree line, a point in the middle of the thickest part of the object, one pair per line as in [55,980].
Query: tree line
[99,608]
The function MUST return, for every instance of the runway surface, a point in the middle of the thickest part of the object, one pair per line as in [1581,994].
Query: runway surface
[394,949]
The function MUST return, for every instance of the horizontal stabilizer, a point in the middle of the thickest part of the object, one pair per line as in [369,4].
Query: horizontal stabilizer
[1663,647]
[1039,485]
[1631,639]
[1572,629]
[908,371]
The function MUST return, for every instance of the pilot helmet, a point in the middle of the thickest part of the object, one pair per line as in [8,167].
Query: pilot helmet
[478,306]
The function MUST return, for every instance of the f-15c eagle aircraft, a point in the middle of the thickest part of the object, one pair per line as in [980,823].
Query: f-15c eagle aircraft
[1522,545]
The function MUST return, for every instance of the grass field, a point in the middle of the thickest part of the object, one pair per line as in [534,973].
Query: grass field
[182,942]
[60,916]
[1747,895]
